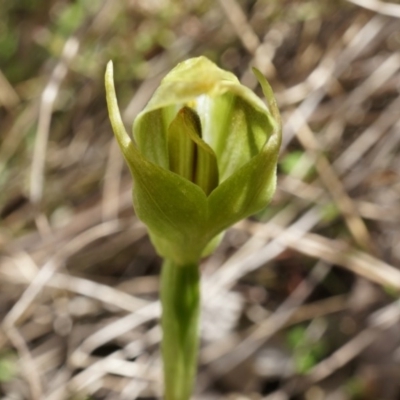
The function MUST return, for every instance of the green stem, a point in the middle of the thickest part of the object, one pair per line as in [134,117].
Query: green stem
[180,298]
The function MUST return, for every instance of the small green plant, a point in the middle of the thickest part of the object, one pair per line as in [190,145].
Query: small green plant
[356,388]
[8,366]
[204,157]
[306,351]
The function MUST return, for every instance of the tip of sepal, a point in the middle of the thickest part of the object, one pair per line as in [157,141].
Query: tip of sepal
[110,67]
[118,127]
[269,96]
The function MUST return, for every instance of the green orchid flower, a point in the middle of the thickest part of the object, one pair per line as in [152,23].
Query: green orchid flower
[204,156]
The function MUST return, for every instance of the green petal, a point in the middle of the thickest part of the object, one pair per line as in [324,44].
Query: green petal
[150,133]
[187,81]
[236,129]
[189,155]
[206,171]
[181,147]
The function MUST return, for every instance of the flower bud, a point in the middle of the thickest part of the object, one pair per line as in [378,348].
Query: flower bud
[204,156]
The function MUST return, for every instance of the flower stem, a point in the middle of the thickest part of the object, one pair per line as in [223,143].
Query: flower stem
[180,298]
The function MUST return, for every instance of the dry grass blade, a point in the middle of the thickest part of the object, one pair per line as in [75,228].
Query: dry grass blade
[46,271]
[49,95]
[385,8]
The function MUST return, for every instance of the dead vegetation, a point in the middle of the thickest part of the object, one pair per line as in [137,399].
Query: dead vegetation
[300,302]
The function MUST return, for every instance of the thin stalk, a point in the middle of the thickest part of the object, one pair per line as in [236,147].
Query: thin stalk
[180,298]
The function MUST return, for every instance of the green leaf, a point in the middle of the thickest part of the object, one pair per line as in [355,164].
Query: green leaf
[289,162]
[8,367]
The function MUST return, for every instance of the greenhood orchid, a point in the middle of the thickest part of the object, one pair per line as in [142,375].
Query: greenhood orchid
[204,156]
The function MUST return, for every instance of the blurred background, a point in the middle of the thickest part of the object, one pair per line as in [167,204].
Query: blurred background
[300,302]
